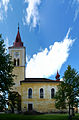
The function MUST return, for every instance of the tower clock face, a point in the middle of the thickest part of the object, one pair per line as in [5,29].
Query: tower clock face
[16,54]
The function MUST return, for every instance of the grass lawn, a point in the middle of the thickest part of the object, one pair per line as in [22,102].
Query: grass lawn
[37,117]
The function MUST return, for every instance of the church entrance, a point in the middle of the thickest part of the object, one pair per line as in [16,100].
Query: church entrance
[30,107]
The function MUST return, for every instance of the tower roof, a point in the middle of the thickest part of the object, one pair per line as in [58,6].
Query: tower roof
[18,42]
[57,76]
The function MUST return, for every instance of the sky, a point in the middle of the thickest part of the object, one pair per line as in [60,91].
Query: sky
[49,30]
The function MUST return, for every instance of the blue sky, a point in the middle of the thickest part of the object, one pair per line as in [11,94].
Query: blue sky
[49,30]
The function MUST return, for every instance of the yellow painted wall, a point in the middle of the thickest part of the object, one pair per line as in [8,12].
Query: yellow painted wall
[19,76]
[46,104]
[19,71]
[20,50]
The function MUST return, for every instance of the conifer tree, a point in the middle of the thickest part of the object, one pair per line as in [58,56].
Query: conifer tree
[68,91]
[6,76]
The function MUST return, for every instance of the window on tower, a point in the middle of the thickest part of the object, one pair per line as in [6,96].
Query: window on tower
[14,62]
[17,62]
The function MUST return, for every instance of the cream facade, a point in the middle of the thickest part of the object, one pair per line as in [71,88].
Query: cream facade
[45,104]
[19,70]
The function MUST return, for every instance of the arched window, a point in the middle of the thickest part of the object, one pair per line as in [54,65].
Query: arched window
[52,92]
[41,93]
[14,62]
[30,93]
[17,62]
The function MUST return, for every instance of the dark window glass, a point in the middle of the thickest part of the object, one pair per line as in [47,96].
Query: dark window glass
[52,92]
[18,62]
[14,62]
[30,107]
[41,93]
[30,93]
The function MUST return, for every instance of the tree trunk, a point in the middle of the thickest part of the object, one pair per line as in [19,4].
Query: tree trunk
[70,114]
[73,113]
[69,109]
[12,109]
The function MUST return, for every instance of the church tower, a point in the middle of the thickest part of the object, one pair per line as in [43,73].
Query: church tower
[17,52]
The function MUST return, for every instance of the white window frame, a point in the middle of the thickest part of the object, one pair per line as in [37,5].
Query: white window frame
[28,94]
[43,93]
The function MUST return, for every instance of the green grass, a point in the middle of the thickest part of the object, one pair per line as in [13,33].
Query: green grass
[37,117]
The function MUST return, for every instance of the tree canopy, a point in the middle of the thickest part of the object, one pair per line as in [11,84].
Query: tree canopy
[68,90]
[14,101]
[6,68]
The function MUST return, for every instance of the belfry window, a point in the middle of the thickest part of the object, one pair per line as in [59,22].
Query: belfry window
[30,93]
[17,62]
[41,93]
[52,93]
[14,62]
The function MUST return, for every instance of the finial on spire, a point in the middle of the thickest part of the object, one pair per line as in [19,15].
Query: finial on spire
[18,26]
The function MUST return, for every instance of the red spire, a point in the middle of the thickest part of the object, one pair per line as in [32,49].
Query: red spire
[18,42]
[57,76]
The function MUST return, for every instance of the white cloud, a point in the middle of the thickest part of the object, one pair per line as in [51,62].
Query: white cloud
[11,7]
[76,13]
[47,62]
[1,15]
[61,79]
[32,14]
[5,4]
[75,3]
[3,8]
[27,58]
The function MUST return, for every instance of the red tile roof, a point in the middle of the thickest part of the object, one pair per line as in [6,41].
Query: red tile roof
[37,80]
[18,43]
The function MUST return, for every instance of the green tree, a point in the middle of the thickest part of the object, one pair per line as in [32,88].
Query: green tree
[14,101]
[2,103]
[68,91]
[6,76]
[60,97]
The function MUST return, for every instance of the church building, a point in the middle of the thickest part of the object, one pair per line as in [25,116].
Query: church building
[36,93]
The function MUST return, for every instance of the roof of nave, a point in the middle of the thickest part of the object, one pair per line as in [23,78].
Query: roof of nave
[37,80]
